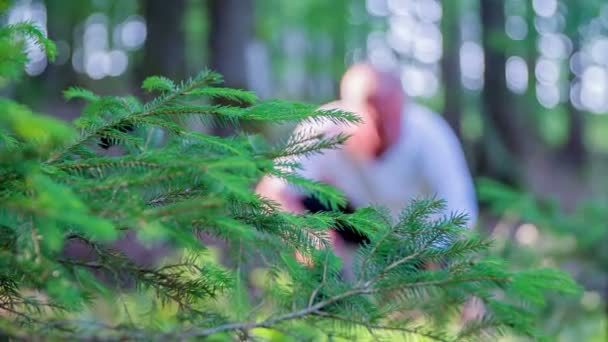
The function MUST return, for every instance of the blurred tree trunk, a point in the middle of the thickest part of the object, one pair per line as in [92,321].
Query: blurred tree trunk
[60,27]
[573,152]
[164,50]
[163,55]
[47,96]
[450,64]
[230,32]
[503,138]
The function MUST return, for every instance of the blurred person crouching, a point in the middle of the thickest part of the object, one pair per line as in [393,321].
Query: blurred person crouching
[401,151]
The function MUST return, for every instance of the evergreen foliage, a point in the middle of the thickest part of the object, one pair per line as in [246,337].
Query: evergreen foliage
[573,240]
[57,187]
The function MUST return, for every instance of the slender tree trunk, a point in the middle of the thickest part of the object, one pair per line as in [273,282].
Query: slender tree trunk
[230,32]
[60,27]
[495,95]
[164,50]
[573,152]
[57,77]
[450,65]
[504,138]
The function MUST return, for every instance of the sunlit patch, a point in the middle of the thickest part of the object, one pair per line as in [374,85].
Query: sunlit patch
[517,74]
[591,300]
[419,82]
[118,62]
[548,262]
[516,27]
[547,71]
[427,45]
[96,33]
[133,32]
[593,89]
[400,7]
[472,65]
[97,65]
[544,8]
[377,7]
[383,58]
[429,11]
[599,50]
[99,56]
[548,94]
[25,11]
[556,46]
[399,36]
[549,25]
[577,63]
[527,234]
[412,42]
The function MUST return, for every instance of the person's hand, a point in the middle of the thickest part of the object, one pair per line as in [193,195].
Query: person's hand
[473,309]
[304,259]
[431,266]
[274,189]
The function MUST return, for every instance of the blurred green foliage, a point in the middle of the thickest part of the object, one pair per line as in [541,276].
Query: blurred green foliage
[60,187]
[329,35]
[532,231]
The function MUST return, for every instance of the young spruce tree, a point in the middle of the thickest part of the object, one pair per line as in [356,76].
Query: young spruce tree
[57,186]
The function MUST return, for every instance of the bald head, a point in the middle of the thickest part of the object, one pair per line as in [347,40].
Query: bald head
[378,97]
[364,84]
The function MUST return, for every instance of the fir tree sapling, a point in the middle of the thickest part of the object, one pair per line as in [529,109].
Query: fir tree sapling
[57,186]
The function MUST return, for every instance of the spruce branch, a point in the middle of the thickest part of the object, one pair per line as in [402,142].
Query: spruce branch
[371,327]
[306,145]
[59,189]
[317,308]
[202,79]
[31,30]
[314,293]
[236,95]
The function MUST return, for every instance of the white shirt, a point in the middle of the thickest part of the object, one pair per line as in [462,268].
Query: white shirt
[426,161]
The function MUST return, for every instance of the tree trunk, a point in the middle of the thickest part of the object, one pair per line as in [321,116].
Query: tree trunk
[573,152]
[230,32]
[164,50]
[503,138]
[450,65]
[48,96]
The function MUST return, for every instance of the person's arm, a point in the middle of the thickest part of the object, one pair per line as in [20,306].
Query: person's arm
[277,190]
[446,171]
